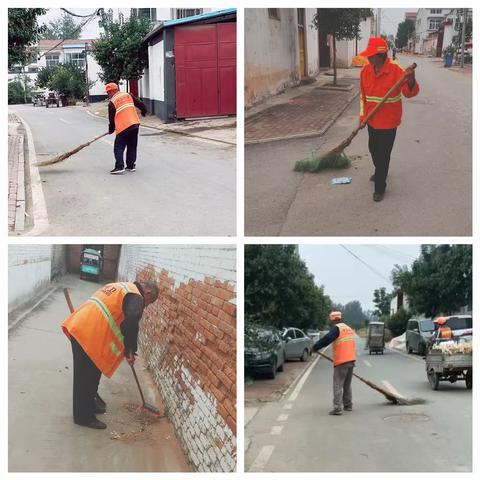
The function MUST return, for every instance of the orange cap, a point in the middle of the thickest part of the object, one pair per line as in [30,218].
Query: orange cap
[441,320]
[111,86]
[375,45]
[335,315]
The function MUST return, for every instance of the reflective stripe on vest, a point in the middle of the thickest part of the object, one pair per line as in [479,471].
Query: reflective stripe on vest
[445,332]
[344,345]
[125,112]
[96,325]
[398,98]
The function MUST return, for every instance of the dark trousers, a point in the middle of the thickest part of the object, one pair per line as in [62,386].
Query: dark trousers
[127,139]
[342,385]
[380,144]
[86,377]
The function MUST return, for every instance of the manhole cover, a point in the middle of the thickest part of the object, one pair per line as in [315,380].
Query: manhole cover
[407,417]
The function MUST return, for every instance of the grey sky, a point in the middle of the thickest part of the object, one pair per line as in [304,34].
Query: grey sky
[345,278]
[391,17]
[91,30]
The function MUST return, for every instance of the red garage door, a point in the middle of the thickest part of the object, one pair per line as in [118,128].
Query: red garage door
[205,68]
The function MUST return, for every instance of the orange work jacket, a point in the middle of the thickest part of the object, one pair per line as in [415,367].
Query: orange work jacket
[445,333]
[373,88]
[95,325]
[344,346]
[125,112]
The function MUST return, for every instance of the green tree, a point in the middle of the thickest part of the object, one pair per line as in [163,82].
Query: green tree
[353,314]
[280,291]
[23,31]
[44,75]
[342,24]
[439,282]
[62,28]
[119,50]
[397,323]
[381,300]
[405,30]
[68,80]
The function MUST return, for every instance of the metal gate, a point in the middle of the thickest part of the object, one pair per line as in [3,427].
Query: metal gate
[205,70]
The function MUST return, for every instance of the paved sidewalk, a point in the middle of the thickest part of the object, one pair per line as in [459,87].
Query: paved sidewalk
[217,129]
[301,112]
[16,176]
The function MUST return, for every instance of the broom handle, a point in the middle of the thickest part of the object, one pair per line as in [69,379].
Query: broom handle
[68,299]
[384,99]
[138,383]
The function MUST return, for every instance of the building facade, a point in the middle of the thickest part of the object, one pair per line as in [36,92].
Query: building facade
[428,21]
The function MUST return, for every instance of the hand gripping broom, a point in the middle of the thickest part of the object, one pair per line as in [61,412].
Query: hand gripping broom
[335,158]
[145,405]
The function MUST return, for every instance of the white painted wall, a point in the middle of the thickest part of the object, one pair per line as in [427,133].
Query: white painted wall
[346,48]
[311,37]
[29,270]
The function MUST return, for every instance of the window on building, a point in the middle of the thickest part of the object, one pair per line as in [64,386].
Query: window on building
[150,13]
[301,17]
[52,59]
[436,11]
[274,13]
[434,23]
[187,12]
[77,58]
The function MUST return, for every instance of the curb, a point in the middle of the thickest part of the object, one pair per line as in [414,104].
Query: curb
[39,207]
[177,132]
[318,133]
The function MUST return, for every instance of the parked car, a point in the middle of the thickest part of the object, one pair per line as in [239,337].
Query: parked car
[418,334]
[297,344]
[264,351]
[461,325]
[314,334]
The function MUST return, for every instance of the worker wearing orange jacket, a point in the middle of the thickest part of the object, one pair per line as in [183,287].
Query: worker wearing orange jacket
[124,121]
[376,79]
[103,331]
[444,332]
[343,339]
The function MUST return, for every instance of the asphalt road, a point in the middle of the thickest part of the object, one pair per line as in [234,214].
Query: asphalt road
[297,434]
[182,186]
[429,188]
[41,434]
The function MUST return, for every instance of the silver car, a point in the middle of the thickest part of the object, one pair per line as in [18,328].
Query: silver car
[297,344]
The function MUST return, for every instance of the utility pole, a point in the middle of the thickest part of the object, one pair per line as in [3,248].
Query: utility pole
[87,93]
[464,22]
[379,22]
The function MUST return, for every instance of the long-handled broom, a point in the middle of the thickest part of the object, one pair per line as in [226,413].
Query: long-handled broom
[145,405]
[336,158]
[391,397]
[64,156]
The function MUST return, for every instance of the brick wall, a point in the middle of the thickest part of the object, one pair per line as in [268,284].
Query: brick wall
[29,270]
[188,339]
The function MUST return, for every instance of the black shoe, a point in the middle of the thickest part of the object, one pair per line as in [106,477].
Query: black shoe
[130,169]
[99,400]
[378,197]
[335,411]
[372,178]
[116,171]
[348,409]
[100,409]
[95,423]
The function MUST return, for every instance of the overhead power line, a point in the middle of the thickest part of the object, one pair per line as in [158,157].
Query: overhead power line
[372,269]
[76,14]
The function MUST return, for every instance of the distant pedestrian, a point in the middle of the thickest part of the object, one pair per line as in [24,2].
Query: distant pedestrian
[343,339]
[394,53]
[103,331]
[124,121]
[376,79]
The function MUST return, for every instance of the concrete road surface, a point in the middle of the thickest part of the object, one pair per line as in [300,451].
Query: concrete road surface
[297,434]
[182,186]
[41,434]
[429,188]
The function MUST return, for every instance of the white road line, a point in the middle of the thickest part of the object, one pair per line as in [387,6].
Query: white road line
[262,459]
[367,363]
[109,142]
[288,406]
[299,386]
[276,430]
[283,417]
[392,388]
[65,121]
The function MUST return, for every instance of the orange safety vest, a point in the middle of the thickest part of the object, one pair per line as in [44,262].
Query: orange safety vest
[125,112]
[95,325]
[373,87]
[344,346]
[445,333]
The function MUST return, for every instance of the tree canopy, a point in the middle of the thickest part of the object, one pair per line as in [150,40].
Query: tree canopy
[23,31]
[62,28]
[352,314]
[119,50]
[381,300]
[439,281]
[404,31]
[279,289]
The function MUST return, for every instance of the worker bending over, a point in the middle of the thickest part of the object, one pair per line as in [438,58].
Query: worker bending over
[442,331]
[103,331]
[124,121]
[376,79]
[343,340]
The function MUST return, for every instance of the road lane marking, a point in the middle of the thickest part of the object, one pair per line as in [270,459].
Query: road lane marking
[262,458]
[367,363]
[109,142]
[301,382]
[392,389]
[283,417]
[276,430]
[65,121]
[288,406]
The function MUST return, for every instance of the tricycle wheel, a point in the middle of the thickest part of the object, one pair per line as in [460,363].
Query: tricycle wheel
[468,380]
[433,379]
